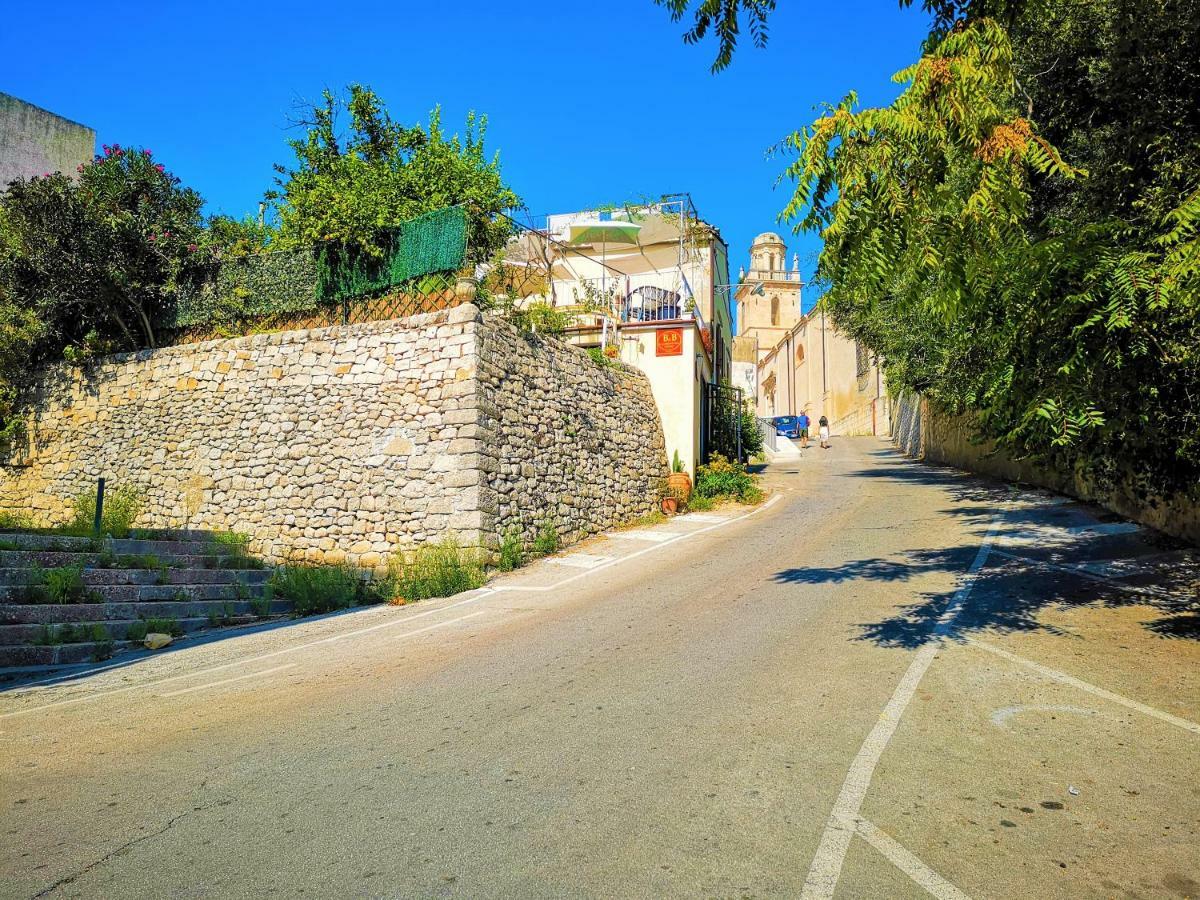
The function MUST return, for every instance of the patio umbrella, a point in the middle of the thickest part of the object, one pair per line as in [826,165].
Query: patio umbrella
[603,233]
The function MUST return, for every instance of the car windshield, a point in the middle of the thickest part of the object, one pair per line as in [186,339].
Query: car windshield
[785,420]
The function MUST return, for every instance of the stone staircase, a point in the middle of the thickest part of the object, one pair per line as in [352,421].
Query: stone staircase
[66,600]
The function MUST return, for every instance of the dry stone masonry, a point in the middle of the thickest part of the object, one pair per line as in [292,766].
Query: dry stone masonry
[565,443]
[348,443]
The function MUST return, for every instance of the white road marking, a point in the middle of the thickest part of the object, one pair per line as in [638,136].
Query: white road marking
[702,517]
[1001,716]
[480,594]
[213,684]
[827,864]
[541,589]
[1137,565]
[484,592]
[580,560]
[1056,675]
[1080,572]
[903,860]
[655,537]
[1111,528]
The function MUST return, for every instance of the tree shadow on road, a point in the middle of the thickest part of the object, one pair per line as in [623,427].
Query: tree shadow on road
[1007,595]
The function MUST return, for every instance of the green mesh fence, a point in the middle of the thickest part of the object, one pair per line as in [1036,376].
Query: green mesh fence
[285,286]
[252,287]
[434,242]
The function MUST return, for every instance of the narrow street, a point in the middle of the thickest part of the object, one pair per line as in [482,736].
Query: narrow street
[891,680]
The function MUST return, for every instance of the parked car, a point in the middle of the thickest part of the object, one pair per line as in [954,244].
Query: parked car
[786,426]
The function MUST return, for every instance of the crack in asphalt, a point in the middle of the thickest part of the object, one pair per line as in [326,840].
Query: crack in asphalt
[45,892]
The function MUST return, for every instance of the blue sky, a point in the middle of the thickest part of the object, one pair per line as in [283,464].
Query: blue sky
[589,103]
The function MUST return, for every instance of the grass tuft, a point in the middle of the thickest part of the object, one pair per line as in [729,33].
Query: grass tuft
[434,570]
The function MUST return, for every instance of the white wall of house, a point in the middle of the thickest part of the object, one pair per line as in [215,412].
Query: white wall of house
[675,382]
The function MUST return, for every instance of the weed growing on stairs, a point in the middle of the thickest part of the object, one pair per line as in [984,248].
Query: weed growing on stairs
[153,625]
[317,589]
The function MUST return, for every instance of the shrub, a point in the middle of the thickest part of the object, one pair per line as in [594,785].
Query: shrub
[602,359]
[700,504]
[512,554]
[546,541]
[721,477]
[76,634]
[122,504]
[138,630]
[15,521]
[261,605]
[435,570]
[316,589]
[65,584]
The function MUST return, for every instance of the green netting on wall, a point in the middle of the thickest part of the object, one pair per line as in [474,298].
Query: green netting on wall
[264,286]
[252,287]
[434,242]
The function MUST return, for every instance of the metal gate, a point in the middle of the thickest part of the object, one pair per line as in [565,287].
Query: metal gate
[721,422]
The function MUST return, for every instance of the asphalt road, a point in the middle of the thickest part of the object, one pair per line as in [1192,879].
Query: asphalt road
[891,681]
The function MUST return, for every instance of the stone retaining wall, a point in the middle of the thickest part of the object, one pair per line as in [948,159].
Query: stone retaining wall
[350,442]
[566,442]
[925,433]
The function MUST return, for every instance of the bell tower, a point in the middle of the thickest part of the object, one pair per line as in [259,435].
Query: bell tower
[768,295]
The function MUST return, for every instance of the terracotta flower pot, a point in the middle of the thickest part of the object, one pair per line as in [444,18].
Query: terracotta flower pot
[670,506]
[681,482]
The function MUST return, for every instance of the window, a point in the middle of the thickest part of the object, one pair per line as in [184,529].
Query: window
[775,310]
[862,359]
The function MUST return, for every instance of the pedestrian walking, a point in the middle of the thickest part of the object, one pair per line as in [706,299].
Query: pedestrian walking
[823,424]
[802,424]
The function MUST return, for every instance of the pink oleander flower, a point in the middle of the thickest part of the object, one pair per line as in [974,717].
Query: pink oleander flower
[147,152]
[160,167]
[192,248]
[151,237]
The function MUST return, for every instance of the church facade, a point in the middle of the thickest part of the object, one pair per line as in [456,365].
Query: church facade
[790,361]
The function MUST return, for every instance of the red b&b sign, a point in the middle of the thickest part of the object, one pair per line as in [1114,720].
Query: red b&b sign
[668,342]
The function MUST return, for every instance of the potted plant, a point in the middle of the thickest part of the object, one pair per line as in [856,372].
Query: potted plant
[679,480]
[668,498]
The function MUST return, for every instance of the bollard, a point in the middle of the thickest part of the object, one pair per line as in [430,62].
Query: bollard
[99,507]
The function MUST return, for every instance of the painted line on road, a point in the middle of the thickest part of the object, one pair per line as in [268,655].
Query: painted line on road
[1085,574]
[480,594]
[827,863]
[483,592]
[1063,677]
[1104,529]
[654,537]
[541,589]
[580,560]
[213,684]
[903,860]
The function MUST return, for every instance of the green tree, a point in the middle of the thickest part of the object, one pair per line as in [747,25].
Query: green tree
[101,258]
[350,187]
[90,264]
[960,246]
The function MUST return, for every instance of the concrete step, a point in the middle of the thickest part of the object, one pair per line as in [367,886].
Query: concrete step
[23,575]
[26,655]
[24,540]
[132,593]
[118,629]
[784,449]
[48,559]
[49,613]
